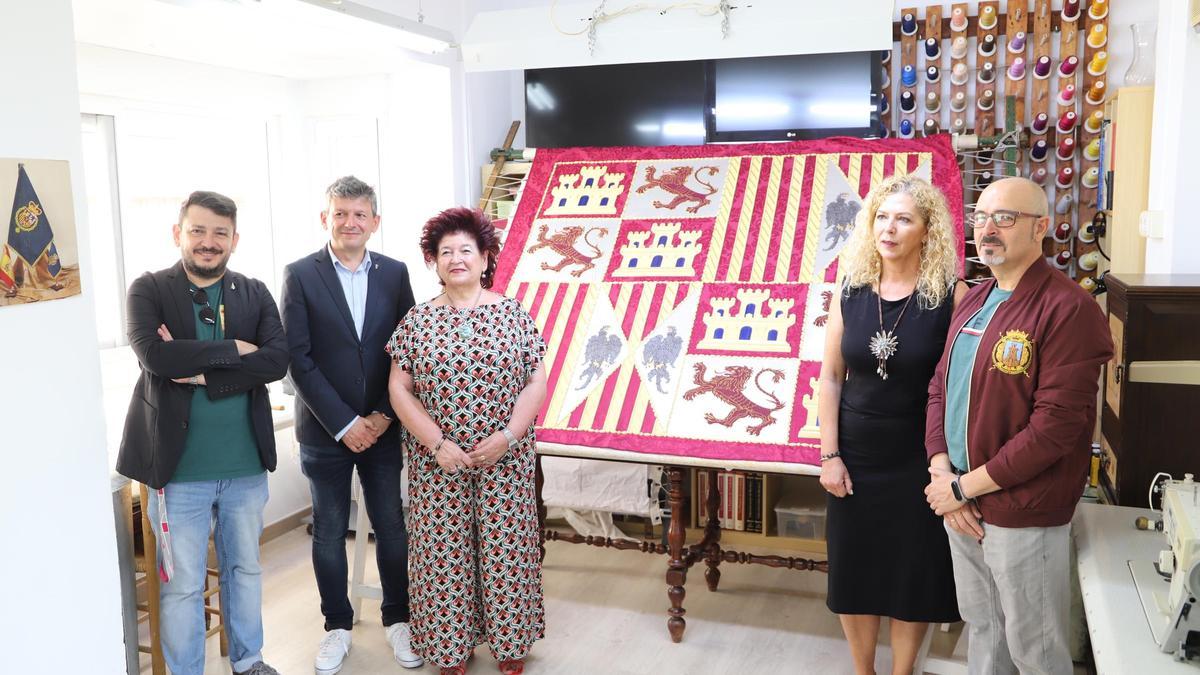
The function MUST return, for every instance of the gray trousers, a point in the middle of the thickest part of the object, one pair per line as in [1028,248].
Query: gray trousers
[1014,594]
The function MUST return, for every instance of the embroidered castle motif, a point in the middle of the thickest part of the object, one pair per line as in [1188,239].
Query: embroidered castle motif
[591,192]
[730,387]
[666,250]
[749,329]
[563,243]
[674,181]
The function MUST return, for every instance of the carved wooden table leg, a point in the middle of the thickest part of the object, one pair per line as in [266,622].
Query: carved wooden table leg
[677,566]
[712,535]
[539,480]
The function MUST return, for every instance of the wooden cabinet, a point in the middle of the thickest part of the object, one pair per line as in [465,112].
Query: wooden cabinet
[1127,155]
[1150,427]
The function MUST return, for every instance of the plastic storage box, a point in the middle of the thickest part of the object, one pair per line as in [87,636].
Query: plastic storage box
[800,514]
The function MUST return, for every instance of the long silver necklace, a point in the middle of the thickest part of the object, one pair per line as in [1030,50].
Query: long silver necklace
[885,343]
[465,329]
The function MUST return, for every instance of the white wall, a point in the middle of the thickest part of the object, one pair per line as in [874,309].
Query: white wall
[1174,147]
[62,601]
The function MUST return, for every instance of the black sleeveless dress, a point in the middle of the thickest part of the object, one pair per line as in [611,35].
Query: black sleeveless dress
[888,553]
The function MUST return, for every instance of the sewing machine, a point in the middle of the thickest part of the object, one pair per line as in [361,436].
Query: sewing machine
[1170,586]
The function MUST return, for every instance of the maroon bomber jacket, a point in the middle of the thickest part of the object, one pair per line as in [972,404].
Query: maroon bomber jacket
[1032,400]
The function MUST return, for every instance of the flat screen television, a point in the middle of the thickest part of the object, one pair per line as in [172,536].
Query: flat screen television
[695,102]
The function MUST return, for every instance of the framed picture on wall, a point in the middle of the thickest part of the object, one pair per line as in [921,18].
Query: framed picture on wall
[39,251]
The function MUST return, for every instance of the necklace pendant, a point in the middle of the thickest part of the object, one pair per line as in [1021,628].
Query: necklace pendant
[464,331]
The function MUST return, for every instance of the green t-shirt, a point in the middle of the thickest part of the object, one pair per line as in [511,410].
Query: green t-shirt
[958,377]
[220,440]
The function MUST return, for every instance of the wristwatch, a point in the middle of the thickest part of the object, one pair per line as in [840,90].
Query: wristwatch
[512,440]
[385,416]
[958,492]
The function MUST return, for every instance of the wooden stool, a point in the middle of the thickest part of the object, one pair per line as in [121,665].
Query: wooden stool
[148,610]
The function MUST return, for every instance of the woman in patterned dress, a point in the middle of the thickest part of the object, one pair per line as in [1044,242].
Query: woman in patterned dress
[467,382]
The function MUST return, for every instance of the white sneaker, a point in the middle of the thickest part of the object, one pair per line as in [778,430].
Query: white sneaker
[398,636]
[332,650]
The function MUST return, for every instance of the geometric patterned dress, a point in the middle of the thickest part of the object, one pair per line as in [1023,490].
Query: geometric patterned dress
[475,572]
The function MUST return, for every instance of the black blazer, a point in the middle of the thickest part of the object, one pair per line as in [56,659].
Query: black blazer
[337,375]
[157,423]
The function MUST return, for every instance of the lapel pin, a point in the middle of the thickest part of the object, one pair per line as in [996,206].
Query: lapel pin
[233,286]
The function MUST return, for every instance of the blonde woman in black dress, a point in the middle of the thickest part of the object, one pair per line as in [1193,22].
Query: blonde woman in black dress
[888,554]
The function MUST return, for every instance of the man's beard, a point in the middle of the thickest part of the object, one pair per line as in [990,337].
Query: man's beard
[196,269]
[991,259]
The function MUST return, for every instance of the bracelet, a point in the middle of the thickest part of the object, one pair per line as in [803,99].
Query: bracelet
[438,447]
[512,440]
[826,458]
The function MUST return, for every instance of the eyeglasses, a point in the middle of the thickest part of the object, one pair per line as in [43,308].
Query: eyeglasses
[1002,219]
[207,315]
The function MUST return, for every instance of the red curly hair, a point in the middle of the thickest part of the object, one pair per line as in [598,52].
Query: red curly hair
[471,222]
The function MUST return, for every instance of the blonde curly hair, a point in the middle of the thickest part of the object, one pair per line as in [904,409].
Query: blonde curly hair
[939,260]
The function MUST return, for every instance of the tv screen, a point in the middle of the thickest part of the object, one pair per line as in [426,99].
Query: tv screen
[794,97]
[643,104]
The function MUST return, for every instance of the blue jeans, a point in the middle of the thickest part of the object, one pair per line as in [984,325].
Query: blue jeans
[329,468]
[236,506]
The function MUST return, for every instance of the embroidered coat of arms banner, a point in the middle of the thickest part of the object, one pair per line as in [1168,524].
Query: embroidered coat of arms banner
[683,291]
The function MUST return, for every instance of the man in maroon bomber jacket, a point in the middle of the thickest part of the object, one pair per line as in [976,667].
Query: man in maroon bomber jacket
[1012,408]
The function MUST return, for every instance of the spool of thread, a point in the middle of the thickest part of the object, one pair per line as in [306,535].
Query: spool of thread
[958,19]
[1039,125]
[1039,150]
[1095,95]
[1098,36]
[933,102]
[1063,259]
[1066,97]
[1016,70]
[959,125]
[1040,175]
[932,128]
[987,73]
[958,48]
[1070,10]
[1094,122]
[1068,66]
[908,76]
[1090,178]
[1063,206]
[933,74]
[885,56]
[887,79]
[1091,152]
[1099,63]
[908,102]
[933,48]
[1066,149]
[1066,123]
[908,24]
[1087,233]
[958,102]
[1088,284]
[987,99]
[1065,177]
[1041,69]
[958,74]
[1088,261]
[884,106]
[1098,10]
[906,129]
[987,17]
[1017,44]
[1062,232]
[987,46]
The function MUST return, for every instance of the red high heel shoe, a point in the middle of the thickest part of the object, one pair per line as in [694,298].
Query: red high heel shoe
[514,667]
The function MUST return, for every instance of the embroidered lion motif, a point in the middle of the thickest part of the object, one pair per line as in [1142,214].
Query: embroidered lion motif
[674,181]
[563,243]
[729,386]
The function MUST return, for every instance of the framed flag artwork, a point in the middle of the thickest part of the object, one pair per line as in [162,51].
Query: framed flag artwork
[39,249]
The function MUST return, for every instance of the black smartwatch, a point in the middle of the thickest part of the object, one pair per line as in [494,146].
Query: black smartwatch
[957,490]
